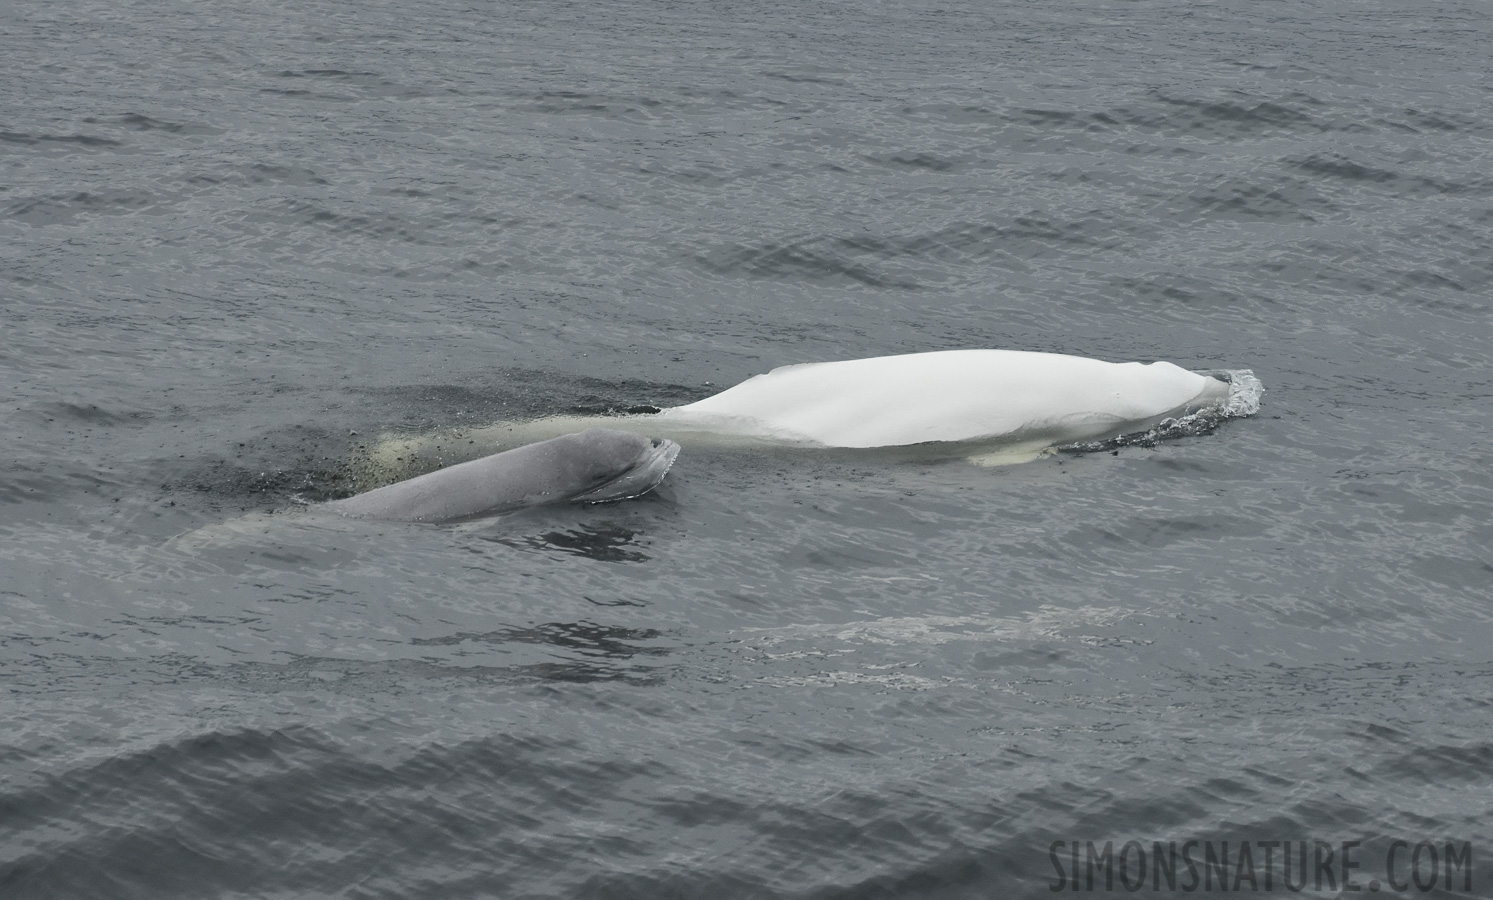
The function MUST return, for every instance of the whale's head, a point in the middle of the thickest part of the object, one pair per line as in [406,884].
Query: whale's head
[616,465]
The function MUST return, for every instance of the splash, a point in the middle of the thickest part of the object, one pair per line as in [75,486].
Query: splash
[1245,393]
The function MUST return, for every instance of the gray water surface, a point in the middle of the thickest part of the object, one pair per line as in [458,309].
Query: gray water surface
[239,242]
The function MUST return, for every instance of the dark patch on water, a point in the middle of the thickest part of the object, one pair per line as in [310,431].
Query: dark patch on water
[88,141]
[1237,118]
[90,414]
[284,467]
[587,638]
[827,260]
[928,162]
[66,209]
[604,543]
[306,479]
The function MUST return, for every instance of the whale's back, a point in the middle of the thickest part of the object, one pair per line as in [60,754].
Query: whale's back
[595,465]
[954,395]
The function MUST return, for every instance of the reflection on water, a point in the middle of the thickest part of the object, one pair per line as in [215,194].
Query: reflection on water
[588,638]
[607,543]
[591,652]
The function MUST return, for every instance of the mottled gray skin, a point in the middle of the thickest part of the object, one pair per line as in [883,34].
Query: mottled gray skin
[595,465]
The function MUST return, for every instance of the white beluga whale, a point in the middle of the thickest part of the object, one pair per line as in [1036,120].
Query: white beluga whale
[991,406]
[953,396]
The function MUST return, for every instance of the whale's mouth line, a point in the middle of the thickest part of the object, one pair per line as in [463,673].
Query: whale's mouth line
[643,476]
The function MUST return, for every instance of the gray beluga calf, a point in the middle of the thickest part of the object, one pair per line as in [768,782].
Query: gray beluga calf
[597,465]
[593,466]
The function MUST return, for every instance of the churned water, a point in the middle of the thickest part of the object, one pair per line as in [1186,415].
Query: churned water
[241,242]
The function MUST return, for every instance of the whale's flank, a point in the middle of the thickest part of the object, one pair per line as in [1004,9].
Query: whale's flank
[593,466]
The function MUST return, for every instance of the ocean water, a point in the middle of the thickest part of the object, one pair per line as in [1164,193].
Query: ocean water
[239,243]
